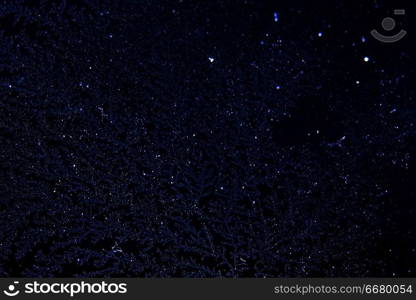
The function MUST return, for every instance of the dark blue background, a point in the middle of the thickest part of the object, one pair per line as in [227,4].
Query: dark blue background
[205,139]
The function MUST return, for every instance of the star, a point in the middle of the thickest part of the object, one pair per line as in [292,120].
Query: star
[276,16]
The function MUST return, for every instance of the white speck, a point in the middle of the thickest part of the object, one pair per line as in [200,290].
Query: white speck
[277,87]
[211,59]
[10,86]
[110,36]
[357,82]
[116,248]
[366,59]
[320,34]
[363,39]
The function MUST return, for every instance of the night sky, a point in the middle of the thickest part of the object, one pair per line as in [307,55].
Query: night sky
[214,138]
